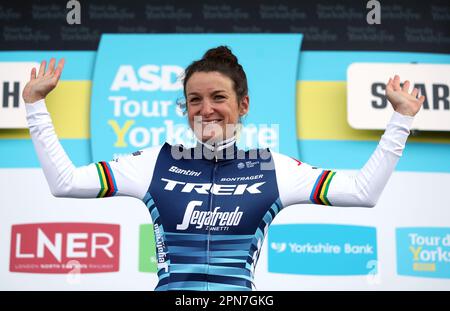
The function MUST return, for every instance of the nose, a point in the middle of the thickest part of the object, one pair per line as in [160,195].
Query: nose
[207,108]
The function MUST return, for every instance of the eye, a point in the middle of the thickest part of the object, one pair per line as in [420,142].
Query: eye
[219,97]
[194,100]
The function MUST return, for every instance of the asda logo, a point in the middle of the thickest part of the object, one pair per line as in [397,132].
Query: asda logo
[423,252]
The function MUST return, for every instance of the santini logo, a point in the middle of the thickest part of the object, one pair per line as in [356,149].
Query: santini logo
[215,220]
[178,170]
[278,247]
[217,189]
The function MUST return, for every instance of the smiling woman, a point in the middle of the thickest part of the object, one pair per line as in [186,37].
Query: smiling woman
[211,209]
[216,92]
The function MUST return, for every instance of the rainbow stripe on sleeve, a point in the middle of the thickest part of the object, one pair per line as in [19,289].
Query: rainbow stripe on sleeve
[320,189]
[108,185]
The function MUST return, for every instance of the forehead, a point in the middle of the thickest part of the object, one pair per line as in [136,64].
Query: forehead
[201,82]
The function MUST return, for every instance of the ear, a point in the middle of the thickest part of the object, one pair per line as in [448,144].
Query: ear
[244,105]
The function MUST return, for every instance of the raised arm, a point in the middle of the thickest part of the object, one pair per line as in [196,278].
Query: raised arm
[302,183]
[129,175]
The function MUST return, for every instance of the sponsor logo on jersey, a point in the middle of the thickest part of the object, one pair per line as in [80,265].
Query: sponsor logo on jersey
[65,248]
[177,170]
[247,164]
[213,220]
[242,178]
[217,189]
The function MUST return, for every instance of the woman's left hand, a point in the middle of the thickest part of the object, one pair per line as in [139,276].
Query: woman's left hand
[402,101]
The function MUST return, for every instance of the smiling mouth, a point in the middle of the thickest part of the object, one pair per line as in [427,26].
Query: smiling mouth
[210,121]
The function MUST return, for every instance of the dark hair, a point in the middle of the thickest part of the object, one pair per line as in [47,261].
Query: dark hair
[222,60]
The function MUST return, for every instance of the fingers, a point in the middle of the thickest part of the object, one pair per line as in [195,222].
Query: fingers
[421,99]
[50,68]
[389,86]
[33,74]
[51,71]
[58,70]
[42,69]
[396,83]
[405,87]
[415,92]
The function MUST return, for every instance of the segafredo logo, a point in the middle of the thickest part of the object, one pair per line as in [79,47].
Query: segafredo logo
[217,189]
[423,252]
[213,220]
[63,247]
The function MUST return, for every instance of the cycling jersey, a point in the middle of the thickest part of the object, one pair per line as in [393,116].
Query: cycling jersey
[211,206]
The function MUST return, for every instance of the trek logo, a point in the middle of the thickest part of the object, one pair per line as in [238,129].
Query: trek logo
[217,189]
[215,220]
[53,247]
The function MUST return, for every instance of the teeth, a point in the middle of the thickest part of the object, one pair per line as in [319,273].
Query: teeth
[210,122]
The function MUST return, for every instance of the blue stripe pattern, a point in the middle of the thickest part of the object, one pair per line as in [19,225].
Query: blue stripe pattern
[232,258]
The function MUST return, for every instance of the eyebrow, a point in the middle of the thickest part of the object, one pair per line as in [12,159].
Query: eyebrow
[214,92]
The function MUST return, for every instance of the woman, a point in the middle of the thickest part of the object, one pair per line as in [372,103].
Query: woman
[211,205]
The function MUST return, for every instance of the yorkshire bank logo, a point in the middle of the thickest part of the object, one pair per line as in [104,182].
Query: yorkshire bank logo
[63,247]
[322,249]
[423,252]
[278,247]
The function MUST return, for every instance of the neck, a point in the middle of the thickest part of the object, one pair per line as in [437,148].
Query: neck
[219,145]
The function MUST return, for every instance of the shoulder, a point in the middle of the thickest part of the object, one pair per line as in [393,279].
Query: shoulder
[285,159]
[141,155]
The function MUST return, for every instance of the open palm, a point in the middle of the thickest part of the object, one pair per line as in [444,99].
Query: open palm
[402,101]
[46,80]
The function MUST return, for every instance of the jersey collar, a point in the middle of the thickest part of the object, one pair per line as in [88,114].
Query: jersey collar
[220,151]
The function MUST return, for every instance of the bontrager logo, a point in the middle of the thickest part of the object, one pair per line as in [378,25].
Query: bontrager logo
[217,189]
[215,220]
[178,170]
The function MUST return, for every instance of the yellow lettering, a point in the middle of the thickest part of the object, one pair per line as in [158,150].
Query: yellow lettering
[120,132]
[415,252]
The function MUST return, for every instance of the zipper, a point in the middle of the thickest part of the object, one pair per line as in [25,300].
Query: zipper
[210,209]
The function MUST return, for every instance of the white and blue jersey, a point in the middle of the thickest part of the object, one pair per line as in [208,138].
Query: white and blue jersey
[211,209]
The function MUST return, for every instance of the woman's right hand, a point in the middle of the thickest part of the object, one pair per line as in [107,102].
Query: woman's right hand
[39,86]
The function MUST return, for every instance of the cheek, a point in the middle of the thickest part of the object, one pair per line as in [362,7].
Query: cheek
[230,112]
[191,112]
